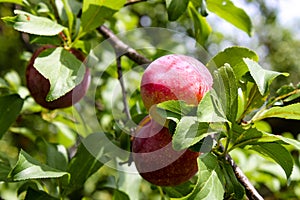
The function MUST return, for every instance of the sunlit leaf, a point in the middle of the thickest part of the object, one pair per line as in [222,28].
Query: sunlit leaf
[188,132]
[95,12]
[29,168]
[234,57]
[262,77]
[62,69]
[20,2]
[234,15]
[210,109]
[226,87]
[28,23]
[287,112]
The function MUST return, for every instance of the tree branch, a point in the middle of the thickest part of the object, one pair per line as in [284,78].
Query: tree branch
[251,192]
[121,47]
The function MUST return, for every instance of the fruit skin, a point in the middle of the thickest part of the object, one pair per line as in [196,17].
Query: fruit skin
[156,160]
[175,77]
[39,86]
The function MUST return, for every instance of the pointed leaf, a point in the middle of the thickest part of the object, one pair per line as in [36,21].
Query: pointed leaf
[201,26]
[88,163]
[287,112]
[28,23]
[210,181]
[226,88]
[234,57]
[263,78]
[10,108]
[278,153]
[62,69]
[210,109]
[29,168]
[95,12]
[228,11]
[188,132]
[176,8]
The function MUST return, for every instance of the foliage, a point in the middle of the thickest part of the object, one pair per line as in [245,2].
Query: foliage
[83,151]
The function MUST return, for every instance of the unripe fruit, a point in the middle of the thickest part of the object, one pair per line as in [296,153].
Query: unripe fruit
[155,158]
[175,77]
[39,86]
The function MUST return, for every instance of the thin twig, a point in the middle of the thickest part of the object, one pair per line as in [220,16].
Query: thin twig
[251,192]
[121,80]
[123,48]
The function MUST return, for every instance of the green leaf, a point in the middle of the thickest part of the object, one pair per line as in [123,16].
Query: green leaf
[29,168]
[95,12]
[28,23]
[234,189]
[176,8]
[234,15]
[278,153]
[44,40]
[20,2]
[56,155]
[210,180]
[226,88]
[287,112]
[234,57]
[201,26]
[210,109]
[179,190]
[4,170]
[83,164]
[242,137]
[263,78]
[176,106]
[188,132]
[62,69]
[10,107]
[119,195]
[38,195]
[293,142]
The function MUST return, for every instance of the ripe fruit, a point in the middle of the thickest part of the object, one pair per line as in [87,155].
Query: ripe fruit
[156,160]
[175,77]
[39,86]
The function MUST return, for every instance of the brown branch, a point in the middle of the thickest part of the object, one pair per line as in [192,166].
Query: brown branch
[251,192]
[121,47]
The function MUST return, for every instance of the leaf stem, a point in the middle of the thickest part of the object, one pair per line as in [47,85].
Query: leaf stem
[69,15]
